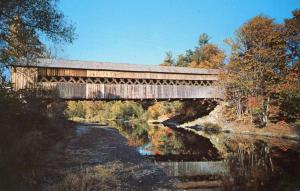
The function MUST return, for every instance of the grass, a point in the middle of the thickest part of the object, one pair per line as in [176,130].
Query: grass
[99,177]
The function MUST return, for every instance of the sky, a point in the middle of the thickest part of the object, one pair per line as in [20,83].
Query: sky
[142,31]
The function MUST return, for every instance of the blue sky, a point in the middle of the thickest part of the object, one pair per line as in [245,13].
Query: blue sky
[141,31]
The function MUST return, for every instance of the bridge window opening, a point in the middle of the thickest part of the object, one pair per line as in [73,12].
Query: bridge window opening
[140,81]
[159,82]
[113,81]
[151,82]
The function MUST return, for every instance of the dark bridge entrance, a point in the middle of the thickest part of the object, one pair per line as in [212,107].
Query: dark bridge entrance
[109,81]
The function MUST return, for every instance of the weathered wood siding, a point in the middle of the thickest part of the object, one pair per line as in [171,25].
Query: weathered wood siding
[126,91]
[23,77]
[61,72]
[122,74]
[106,85]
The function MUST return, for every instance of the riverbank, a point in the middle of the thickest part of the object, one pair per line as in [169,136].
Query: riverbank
[215,122]
[98,158]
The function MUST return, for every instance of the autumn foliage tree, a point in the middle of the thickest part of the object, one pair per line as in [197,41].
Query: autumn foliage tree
[262,63]
[205,55]
[289,97]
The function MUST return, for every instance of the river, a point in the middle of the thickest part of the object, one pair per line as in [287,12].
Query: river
[157,157]
[246,162]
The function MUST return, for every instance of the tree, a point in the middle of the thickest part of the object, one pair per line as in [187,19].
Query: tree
[23,23]
[203,39]
[182,61]
[208,56]
[169,60]
[289,89]
[292,38]
[256,66]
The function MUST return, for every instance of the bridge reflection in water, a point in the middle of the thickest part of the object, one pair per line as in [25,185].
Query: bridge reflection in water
[197,168]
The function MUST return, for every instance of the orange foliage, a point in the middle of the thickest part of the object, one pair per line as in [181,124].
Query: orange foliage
[255,102]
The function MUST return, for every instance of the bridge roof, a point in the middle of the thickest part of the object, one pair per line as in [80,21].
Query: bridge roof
[92,65]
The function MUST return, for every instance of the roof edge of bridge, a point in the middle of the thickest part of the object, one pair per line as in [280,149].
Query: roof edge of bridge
[94,65]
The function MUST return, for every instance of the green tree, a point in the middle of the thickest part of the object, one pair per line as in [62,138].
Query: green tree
[182,61]
[24,23]
[203,39]
[169,60]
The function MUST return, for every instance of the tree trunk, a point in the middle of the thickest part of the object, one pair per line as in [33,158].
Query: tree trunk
[238,108]
[265,112]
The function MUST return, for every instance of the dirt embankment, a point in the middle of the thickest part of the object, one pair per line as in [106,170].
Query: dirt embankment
[216,121]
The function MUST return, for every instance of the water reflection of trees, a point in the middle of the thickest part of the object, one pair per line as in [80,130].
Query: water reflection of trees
[165,142]
[135,132]
[251,166]
[139,133]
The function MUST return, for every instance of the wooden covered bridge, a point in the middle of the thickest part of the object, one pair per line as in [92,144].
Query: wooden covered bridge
[111,81]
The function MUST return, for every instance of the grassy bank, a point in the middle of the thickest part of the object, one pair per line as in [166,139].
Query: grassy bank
[99,177]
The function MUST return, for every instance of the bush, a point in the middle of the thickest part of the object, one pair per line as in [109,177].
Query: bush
[76,109]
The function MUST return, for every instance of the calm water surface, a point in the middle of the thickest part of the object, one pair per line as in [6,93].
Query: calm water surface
[231,163]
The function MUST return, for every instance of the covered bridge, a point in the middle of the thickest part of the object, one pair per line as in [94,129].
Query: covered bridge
[112,81]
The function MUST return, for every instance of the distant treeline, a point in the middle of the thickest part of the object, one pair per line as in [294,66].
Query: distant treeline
[102,111]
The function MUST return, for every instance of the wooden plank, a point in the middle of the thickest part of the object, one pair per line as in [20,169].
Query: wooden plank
[125,91]
[24,77]
[148,75]
[61,72]
[123,74]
